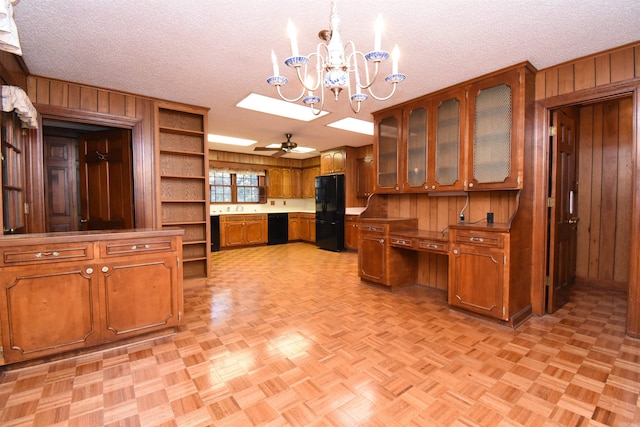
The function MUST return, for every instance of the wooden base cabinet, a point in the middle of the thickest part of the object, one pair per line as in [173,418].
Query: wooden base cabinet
[351,225]
[480,276]
[243,230]
[61,293]
[377,261]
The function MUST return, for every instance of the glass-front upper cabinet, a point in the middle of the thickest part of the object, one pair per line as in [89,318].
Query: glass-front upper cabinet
[495,161]
[416,154]
[448,132]
[386,152]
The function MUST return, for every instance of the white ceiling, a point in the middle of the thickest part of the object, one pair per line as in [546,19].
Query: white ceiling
[213,53]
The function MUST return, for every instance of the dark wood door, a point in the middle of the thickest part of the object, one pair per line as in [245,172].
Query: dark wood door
[60,178]
[106,180]
[563,230]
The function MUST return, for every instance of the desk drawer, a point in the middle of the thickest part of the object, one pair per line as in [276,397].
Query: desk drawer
[495,240]
[136,246]
[373,228]
[44,254]
[402,243]
[431,246]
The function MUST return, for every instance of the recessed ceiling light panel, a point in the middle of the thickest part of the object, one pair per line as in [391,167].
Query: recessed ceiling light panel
[265,104]
[353,125]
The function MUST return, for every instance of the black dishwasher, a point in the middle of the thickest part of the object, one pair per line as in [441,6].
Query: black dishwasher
[278,231]
[215,233]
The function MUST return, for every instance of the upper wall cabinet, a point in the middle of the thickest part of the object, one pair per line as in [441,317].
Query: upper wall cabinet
[386,152]
[496,132]
[467,137]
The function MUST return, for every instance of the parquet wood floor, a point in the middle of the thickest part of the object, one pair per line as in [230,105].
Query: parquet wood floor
[287,335]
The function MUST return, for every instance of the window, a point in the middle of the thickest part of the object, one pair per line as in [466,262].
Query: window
[231,186]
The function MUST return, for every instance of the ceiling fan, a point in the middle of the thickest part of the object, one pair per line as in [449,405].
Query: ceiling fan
[285,147]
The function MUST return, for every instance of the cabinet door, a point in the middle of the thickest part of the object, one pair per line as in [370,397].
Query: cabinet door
[48,310]
[275,183]
[334,161]
[351,232]
[448,137]
[371,258]
[305,235]
[232,233]
[294,227]
[416,153]
[364,177]
[139,296]
[493,138]
[254,232]
[386,153]
[309,182]
[477,280]
[287,190]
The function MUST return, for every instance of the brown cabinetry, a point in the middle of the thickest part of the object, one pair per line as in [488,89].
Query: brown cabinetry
[496,129]
[80,290]
[334,161]
[183,188]
[294,227]
[467,137]
[309,182]
[364,177]
[351,225]
[386,151]
[307,227]
[377,261]
[480,274]
[284,183]
[243,230]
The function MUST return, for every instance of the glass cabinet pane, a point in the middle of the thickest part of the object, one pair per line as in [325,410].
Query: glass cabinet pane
[388,152]
[492,135]
[448,142]
[417,148]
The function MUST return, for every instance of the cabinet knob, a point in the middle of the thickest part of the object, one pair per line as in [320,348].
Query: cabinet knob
[433,187]
[470,184]
[455,252]
[105,269]
[134,247]
[89,270]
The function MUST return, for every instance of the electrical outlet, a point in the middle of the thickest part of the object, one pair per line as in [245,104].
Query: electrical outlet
[284,203]
[489,217]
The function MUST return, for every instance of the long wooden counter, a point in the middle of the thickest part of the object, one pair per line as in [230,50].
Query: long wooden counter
[63,292]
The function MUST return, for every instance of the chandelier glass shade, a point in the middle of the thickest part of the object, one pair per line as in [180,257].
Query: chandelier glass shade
[338,66]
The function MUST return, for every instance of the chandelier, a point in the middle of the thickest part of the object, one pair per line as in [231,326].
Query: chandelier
[338,66]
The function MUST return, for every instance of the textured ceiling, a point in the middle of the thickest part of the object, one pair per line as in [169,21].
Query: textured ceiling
[214,53]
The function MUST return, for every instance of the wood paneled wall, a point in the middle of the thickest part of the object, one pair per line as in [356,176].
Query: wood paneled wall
[224,157]
[82,103]
[614,66]
[605,193]
[599,76]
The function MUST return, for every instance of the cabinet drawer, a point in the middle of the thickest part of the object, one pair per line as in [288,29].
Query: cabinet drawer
[402,243]
[427,245]
[42,254]
[373,228]
[135,246]
[495,240]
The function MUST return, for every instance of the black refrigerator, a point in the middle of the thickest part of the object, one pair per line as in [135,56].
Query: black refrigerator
[330,212]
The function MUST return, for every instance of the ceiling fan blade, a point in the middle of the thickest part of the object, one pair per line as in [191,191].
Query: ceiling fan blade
[279,153]
[265,149]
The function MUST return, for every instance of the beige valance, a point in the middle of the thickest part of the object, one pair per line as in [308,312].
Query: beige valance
[14,98]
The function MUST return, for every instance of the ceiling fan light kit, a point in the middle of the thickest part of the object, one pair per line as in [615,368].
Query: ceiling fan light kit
[341,67]
[285,147]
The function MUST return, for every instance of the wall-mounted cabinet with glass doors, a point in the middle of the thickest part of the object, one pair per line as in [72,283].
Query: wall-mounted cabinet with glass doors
[467,137]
